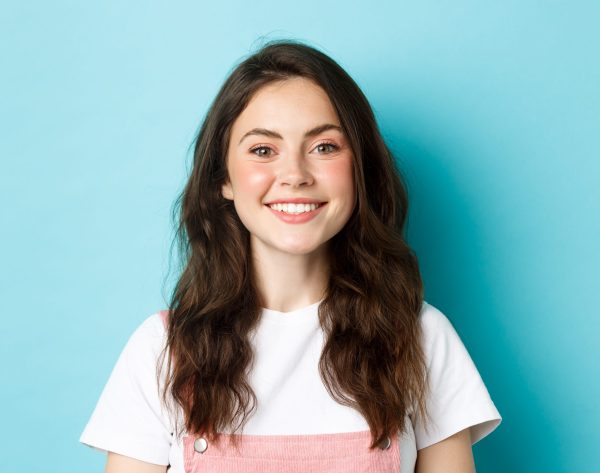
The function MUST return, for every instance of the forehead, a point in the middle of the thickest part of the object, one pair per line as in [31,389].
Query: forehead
[295,103]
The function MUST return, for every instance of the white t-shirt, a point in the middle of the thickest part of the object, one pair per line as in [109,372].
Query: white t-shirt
[129,418]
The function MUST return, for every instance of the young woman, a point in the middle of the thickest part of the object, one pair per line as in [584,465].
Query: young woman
[297,338]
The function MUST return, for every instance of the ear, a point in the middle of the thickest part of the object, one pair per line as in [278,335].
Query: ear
[227,191]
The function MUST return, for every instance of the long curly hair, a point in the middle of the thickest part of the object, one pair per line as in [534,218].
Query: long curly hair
[372,359]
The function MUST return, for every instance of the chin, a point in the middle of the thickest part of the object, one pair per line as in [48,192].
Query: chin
[298,250]
[290,244]
[299,247]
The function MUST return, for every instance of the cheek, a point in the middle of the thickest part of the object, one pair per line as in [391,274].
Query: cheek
[251,180]
[340,177]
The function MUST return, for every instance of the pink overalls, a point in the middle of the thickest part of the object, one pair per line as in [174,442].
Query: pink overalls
[325,453]
[317,453]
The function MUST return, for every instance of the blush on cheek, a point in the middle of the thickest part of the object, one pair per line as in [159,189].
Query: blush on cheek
[339,174]
[253,180]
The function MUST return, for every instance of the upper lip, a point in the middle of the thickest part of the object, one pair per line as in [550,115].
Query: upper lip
[294,200]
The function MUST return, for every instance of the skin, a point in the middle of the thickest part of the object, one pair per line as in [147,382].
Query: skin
[288,256]
[452,455]
[116,463]
[263,168]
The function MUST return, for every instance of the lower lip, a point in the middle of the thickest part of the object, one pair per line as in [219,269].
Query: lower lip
[299,218]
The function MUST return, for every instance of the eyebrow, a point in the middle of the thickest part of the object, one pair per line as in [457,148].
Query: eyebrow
[273,134]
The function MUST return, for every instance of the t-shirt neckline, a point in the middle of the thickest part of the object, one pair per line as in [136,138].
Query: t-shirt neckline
[306,314]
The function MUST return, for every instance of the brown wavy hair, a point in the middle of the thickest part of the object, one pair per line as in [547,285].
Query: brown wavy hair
[372,360]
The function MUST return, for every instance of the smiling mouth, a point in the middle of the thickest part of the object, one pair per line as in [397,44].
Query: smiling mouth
[295,209]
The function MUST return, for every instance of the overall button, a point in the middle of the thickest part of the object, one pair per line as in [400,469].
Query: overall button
[385,443]
[200,445]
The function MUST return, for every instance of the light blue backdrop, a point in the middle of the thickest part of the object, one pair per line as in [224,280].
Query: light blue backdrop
[493,108]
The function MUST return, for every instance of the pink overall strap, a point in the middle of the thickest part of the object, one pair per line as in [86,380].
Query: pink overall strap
[164,315]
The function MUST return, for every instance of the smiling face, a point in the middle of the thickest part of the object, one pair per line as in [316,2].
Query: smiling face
[287,147]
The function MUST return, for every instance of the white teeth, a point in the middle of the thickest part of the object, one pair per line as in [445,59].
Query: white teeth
[294,209]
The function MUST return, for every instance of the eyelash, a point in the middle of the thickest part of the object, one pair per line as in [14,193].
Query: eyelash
[324,143]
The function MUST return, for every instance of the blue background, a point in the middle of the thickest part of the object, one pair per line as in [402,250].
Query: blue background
[492,107]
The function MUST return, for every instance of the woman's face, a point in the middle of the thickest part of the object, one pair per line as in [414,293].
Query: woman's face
[290,168]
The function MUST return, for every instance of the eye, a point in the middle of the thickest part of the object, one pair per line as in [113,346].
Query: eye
[261,151]
[327,147]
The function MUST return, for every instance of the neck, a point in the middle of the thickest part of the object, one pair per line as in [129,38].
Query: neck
[287,281]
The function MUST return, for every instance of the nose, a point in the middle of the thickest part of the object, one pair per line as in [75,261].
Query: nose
[294,171]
